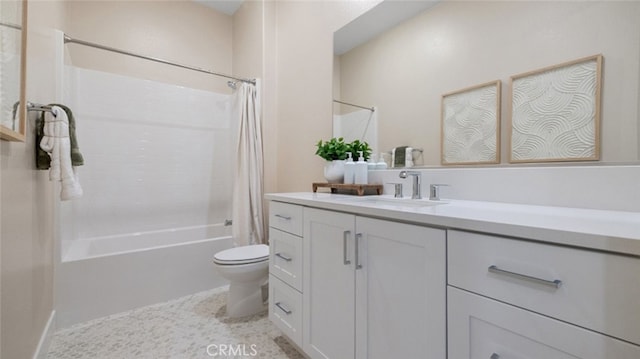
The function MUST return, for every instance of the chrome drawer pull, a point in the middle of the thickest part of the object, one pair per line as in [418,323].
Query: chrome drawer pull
[283,217]
[345,260]
[550,283]
[283,308]
[358,265]
[280,255]
[494,356]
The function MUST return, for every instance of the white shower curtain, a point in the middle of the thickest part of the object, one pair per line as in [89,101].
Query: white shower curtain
[248,216]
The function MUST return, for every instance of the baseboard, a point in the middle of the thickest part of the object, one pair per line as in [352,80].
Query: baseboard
[45,338]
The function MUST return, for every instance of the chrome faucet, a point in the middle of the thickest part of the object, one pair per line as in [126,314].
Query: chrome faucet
[434,191]
[417,180]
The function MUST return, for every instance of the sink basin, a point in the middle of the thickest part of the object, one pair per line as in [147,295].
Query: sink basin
[399,202]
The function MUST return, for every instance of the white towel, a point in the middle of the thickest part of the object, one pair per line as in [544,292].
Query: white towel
[57,143]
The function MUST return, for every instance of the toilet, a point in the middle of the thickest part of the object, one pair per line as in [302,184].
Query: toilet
[247,269]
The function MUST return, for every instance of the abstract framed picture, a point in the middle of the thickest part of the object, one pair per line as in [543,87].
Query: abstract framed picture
[555,113]
[470,128]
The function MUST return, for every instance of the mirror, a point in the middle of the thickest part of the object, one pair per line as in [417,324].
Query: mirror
[451,45]
[13,37]
[354,122]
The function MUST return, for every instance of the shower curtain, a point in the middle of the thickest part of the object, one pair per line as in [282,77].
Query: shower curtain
[248,216]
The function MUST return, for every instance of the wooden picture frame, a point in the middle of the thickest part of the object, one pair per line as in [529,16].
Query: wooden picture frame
[555,113]
[470,125]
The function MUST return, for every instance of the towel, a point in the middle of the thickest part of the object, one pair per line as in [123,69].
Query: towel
[398,156]
[42,158]
[57,143]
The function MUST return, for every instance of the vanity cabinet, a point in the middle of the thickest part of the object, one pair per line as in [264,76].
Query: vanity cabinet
[511,298]
[285,269]
[352,284]
[372,288]
[484,328]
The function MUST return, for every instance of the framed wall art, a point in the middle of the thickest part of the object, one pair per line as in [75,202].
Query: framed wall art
[471,125]
[555,113]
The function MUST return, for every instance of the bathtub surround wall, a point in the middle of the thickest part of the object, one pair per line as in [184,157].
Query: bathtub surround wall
[159,167]
[158,155]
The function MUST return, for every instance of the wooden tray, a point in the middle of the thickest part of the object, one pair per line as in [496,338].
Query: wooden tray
[359,188]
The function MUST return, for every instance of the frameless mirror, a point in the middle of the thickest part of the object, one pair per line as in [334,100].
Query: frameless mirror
[448,46]
[354,119]
[13,34]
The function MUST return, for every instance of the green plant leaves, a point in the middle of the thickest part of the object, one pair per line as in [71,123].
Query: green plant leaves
[336,149]
[356,146]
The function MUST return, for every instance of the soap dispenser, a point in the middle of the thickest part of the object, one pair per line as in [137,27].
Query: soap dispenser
[361,170]
[371,164]
[381,165]
[349,170]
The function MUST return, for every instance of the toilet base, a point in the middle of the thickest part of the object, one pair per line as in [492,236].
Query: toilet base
[245,298]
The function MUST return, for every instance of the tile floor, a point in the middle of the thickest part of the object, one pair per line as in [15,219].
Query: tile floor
[185,328]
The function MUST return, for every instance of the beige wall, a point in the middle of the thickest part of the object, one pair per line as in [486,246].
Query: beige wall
[304,84]
[459,44]
[26,219]
[253,26]
[180,31]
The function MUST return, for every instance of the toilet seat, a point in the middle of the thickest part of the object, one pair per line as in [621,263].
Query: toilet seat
[242,255]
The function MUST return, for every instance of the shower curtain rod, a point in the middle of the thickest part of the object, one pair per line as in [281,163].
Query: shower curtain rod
[69,39]
[372,109]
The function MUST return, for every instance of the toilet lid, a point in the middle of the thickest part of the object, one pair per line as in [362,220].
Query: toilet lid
[243,254]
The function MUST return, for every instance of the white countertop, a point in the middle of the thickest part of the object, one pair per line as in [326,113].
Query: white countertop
[614,231]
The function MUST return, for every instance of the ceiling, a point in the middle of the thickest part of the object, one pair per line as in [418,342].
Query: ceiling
[382,17]
[228,7]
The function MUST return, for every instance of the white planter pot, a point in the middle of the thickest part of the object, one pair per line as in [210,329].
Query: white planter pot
[334,171]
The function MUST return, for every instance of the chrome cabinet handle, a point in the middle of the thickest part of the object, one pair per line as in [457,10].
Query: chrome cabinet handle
[550,283]
[345,260]
[494,356]
[280,255]
[283,308]
[358,265]
[283,217]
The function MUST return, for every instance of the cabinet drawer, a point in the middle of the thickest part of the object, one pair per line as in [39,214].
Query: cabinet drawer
[599,291]
[285,257]
[484,328]
[286,217]
[285,309]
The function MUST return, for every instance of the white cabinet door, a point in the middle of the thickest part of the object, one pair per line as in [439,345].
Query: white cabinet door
[482,328]
[400,290]
[328,284]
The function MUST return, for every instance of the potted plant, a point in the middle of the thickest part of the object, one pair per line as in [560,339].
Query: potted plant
[334,152]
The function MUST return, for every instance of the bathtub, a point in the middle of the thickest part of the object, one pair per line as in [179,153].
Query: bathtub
[107,275]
